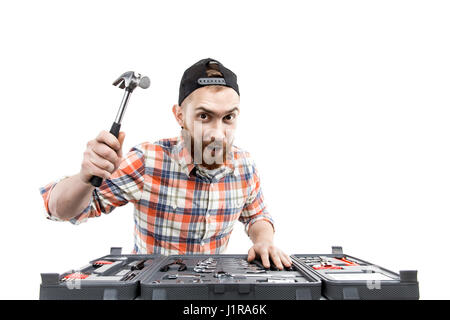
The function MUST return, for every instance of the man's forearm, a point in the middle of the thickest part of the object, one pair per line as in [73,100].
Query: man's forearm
[69,197]
[261,231]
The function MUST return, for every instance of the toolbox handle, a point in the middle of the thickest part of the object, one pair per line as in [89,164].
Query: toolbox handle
[116,251]
[408,275]
[337,250]
[50,278]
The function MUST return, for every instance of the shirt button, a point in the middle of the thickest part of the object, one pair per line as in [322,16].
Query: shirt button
[202,243]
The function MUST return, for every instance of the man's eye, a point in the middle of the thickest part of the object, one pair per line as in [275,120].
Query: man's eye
[203,115]
[229,117]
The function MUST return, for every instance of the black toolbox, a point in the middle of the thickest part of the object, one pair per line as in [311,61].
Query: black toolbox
[348,278]
[334,276]
[111,277]
[230,277]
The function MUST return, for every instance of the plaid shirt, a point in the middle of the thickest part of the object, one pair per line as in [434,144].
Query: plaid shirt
[178,207]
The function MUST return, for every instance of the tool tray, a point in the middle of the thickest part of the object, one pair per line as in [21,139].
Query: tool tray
[110,277]
[217,277]
[201,277]
[348,278]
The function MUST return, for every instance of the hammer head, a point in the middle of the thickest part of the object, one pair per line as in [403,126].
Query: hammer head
[130,80]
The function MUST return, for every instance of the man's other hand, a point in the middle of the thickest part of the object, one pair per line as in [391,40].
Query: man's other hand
[264,250]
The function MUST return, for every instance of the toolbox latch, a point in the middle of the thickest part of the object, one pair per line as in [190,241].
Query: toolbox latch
[303,294]
[110,294]
[219,288]
[408,275]
[116,251]
[50,278]
[337,250]
[350,293]
[244,288]
[159,294]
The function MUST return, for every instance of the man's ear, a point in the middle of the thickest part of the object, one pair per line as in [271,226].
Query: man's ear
[177,112]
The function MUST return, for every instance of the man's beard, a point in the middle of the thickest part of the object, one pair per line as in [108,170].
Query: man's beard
[213,154]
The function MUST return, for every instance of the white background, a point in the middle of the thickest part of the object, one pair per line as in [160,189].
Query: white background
[344,107]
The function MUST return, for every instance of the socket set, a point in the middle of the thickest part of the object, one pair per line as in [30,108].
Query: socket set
[335,276]
[217,277]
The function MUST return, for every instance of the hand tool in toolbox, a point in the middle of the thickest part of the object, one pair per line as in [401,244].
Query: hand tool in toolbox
[179,262]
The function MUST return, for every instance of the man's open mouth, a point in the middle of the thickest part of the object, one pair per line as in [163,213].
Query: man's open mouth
[216,147]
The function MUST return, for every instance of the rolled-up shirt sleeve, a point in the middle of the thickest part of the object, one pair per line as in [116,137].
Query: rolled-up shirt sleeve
[45,193]
[125,185]
[255,208]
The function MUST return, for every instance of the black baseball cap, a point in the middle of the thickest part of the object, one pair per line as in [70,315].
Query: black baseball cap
[195,77]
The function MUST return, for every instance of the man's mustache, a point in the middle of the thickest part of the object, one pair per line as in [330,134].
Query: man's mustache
[212,144]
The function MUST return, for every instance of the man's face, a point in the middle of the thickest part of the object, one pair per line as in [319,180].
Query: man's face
[209,118]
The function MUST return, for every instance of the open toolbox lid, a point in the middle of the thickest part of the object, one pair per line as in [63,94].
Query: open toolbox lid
[111,277]
[226,276]
[349,278]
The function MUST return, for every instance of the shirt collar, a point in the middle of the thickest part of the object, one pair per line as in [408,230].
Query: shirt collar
[181,154]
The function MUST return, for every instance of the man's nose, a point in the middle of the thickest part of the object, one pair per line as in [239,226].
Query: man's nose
[216,137]
[215,133]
